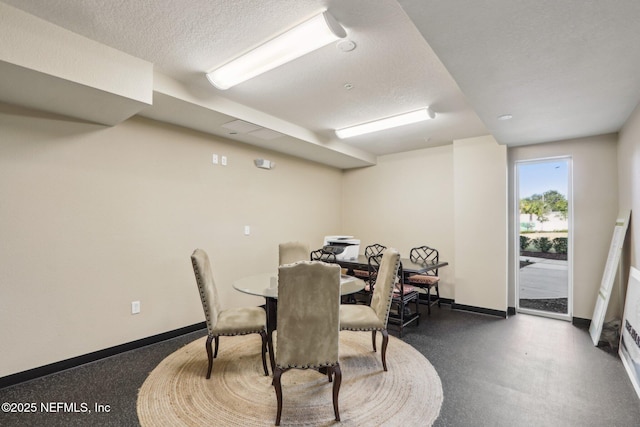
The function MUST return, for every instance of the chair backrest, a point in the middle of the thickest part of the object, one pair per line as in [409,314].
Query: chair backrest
[321,255]
[373,250]
[385,282]
[425,254]
[373,263]
[291,252]
[308,315]
[206,286]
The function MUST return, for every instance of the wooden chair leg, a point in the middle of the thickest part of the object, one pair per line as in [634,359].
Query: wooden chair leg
[277,373]
[385,341]
[272,357]
[429,300]
[373,340]
[217,341]
[401,310]
[263,335]
[336,389]
[210,354]
[438,294]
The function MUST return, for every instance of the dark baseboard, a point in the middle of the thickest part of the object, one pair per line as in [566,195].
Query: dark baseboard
[52,368]
[480,310]
[423,300]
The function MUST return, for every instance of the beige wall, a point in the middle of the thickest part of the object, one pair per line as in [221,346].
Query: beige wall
[431,197]
[595,208]
[480,203]
[629,186]
[94,217]
[406,200]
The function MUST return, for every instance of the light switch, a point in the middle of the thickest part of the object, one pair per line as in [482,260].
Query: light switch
[247,230]
[223,160]
[215,159]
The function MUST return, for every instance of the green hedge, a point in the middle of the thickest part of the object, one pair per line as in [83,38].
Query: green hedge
[560,245]
[543,244]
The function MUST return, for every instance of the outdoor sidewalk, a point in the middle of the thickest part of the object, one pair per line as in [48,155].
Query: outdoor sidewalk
[544,279]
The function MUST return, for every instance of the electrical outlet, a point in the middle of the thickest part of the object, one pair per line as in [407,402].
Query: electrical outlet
[223,160]
[135,307]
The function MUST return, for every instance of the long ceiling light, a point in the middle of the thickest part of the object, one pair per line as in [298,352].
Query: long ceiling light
[306,37]
[387,123]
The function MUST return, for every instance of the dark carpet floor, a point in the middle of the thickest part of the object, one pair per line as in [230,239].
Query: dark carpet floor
[520,371]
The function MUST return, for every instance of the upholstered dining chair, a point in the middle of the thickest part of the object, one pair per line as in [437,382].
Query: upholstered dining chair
[228,322]
[373,265]
[374,317]
[430,279]
[322,255]
[308,324]
[370,251]
[291,252]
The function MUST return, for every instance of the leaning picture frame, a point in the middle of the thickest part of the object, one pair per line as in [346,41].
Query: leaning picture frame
[612,269]
[629,349]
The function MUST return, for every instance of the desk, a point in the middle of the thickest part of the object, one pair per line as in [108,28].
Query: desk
[407,268]
[266,285]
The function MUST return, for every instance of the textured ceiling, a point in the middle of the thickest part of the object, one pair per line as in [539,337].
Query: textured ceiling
[562,69]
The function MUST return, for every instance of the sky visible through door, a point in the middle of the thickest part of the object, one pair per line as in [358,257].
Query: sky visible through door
[536,178]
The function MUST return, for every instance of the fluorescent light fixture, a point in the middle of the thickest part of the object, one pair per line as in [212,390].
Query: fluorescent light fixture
[387,123]
[310,35]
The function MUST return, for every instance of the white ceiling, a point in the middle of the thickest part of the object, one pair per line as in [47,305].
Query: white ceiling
[562,69]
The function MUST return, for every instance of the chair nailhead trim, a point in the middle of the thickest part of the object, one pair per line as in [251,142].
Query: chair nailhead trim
[233,334]
[324,365]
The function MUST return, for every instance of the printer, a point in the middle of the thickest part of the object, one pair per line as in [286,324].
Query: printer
[344,247]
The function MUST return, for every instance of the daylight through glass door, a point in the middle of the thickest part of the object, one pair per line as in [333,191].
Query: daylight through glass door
[543,279]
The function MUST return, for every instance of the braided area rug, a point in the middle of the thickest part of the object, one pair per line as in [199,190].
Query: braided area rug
[176,393]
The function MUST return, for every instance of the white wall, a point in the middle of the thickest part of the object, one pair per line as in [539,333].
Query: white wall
[94,217]
[595,207]
[480,204]
[405,201]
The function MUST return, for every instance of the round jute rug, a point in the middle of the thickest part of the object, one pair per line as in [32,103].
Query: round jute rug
[176,393]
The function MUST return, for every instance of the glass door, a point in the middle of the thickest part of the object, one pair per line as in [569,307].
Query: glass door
[544,237]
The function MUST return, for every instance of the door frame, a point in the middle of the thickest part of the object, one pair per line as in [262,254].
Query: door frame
[516,223]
